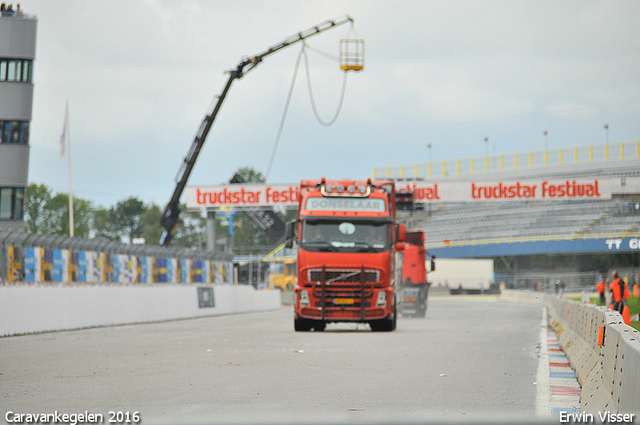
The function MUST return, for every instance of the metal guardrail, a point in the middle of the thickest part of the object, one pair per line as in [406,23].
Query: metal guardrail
[21,240]
[26,240]
[510,162]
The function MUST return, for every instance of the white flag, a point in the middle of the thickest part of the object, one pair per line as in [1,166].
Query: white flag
[63,136]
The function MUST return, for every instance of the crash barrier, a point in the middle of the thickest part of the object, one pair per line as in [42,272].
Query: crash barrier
[38,258]
[32,309]
[602,349]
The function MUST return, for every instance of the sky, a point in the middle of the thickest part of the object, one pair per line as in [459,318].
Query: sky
[140,75]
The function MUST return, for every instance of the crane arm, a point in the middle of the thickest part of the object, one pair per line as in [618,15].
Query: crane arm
[171,215]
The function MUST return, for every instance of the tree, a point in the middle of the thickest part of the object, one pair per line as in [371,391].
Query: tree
[126,216]
[38,196]
[151,228]
[192,228]
[249,175]
[46,213]
[102,225]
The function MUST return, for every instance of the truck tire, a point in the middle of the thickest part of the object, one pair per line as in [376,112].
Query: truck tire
[385,325]
[301,325]
[319,326]
[424,296]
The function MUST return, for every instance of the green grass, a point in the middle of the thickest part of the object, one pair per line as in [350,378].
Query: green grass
[634,308]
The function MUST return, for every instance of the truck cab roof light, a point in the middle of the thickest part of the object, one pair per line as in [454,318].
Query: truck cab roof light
[337,189]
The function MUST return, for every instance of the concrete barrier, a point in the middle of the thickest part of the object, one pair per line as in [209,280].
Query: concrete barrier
[32,309]
[288,298]
[609,373]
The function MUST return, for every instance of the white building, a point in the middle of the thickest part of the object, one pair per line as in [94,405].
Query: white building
[17,54]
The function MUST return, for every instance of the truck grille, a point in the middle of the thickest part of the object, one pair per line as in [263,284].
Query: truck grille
[333,293]
[344,294]
[343,276]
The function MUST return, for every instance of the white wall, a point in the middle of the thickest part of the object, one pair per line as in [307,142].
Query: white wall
[31,309]
[456,272]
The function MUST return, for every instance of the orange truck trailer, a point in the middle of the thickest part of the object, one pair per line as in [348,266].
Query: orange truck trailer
[347,237]
[415,287]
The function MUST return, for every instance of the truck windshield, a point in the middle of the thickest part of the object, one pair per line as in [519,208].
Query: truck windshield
[345,236]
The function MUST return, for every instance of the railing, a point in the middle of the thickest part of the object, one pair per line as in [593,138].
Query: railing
[45,258]
[510,162]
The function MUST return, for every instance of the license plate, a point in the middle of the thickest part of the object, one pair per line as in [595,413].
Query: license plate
[343,300]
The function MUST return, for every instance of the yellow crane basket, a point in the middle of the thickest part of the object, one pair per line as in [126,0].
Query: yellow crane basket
[352,54]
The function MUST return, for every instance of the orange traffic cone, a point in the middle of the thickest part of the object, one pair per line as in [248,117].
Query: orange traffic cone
[625,315]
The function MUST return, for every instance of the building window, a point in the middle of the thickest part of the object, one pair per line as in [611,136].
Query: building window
[11,203]
[14,132]
[18,70]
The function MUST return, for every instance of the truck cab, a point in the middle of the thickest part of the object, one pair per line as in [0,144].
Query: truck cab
[346,234]
[415,287]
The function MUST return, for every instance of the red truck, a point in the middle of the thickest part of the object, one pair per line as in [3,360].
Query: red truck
[415,287]
[347,234]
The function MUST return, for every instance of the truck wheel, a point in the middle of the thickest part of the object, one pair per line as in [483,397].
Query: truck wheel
[319,326]
[385,325]
[424,303]
[423,309]
[395,314]
[301,325]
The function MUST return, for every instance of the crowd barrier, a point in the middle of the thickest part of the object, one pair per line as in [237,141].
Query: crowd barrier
[602,349]
[42,308]
[41,258]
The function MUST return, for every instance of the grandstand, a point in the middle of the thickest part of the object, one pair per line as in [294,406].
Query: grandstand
[511,227]
[452,223]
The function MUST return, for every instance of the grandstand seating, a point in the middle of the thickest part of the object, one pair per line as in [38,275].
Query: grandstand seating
[510,221]
[459,222]
[530,220]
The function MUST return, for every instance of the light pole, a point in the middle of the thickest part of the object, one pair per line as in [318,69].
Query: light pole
[429,146]
[546,140]
[606,129]
[486,160]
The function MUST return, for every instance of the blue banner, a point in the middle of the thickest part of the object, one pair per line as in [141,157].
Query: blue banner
[575,246]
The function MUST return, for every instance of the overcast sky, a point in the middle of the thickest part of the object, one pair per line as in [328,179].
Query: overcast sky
[141,74]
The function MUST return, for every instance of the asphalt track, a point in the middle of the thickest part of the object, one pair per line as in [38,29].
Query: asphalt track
[470,358]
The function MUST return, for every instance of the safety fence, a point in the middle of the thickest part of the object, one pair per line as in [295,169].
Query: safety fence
[510,161]
[602,349]
[36,258]
[559,281]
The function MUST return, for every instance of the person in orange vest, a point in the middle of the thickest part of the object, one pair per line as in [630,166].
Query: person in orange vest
[601,288]
[636,286]
[619,289]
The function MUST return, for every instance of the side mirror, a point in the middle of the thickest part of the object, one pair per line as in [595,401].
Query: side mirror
[433,263]
[289,233]
[402,230]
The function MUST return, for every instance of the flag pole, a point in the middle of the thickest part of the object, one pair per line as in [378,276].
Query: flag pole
[68,135]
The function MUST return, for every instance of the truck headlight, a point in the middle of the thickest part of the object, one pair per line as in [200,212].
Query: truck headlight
[304,298]
[382,299]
